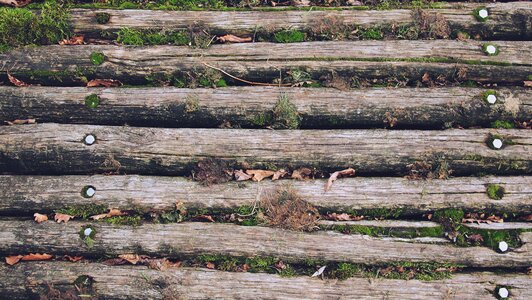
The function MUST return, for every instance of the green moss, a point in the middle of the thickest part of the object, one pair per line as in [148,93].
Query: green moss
[84,211]
[288,271]
[495,191]
[346,270]
[262,119]
[289,36]
[102,17]
[485,49]
[502,124]
[92,101]
[97,58]
[285,115]
[260,264]
[478,17]
[134,220]
[88,240]
[191,104]
[20,26]
[129,36]
[450,217]
[375,231]
[372,34]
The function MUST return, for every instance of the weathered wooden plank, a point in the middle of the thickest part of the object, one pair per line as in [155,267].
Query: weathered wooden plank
[59,149]
[501,226]
[30,194]
[507,20]
[317,108]
[266,62]
[186,239]
[138,282]
[398,224]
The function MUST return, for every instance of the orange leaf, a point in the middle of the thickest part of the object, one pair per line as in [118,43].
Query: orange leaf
[241,176]
[233,39]
[37,256]
[112,213]
[73,258]
[301,173]
[97,217]
[133,258]
[279,174]
[62,218]
[15,81]
[259,175]
[203,218]
[104,82]
[21,121]
[11,260]
[527,83]
[334,176]
[210,265]
[15,3]
[40,218]
[75,40]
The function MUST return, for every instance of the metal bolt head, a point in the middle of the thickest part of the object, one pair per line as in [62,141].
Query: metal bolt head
[497,143]
[87,231]
[503,246]
[503,293]
[490,49]
[89,139]
[90,191]
[491,99]
[483,13]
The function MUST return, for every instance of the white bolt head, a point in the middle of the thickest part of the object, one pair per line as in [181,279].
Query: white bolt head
[491,99]
[503,246]
[87,231]
[503,293]
[483,13]
[90,139]
[90,192]
[490,49]
[497,143]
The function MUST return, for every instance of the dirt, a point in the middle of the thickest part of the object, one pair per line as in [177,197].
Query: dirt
[212,171]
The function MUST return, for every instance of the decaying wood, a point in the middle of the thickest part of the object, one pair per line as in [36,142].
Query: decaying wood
[398,224]
[192,238]
[266,62]
[507,20]
[59,149]
[138,282]
[29,194]
[238,106]
[502,226]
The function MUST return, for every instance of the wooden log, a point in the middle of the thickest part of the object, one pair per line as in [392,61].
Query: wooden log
[192,238]
[60,149]
[396,224]
[266,62]
[507,20]
[501,226]
[139,282]
[317,108]
[25,195]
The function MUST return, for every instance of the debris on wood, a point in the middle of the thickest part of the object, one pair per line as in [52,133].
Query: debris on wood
[111,213]
[11,260]
[229,38]
[302,173]
[259,175]
[21,122]
[62,218]
[343,217]
[75,40]
[319,272]
[39,218]
[15,3]
[104,83]
[211,171]
[15,81]
[343,173]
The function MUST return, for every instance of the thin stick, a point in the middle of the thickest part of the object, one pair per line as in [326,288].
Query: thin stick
[246,81]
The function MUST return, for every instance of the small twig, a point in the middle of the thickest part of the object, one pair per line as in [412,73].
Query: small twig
[243,80]
[254,204]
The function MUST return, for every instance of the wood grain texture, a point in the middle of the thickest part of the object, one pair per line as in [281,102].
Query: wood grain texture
[265,62]
[317,107]
[138,282]
[190,239]
[507,20]
[58,149]
[502,226]
[29,194]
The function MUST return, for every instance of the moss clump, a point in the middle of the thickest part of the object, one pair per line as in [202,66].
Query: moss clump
[97,58]
[84,211]
[191,104]
[102,18]
[20,26]
[285,114]
[373,33]
[485,49]
[262,119]
[129,36]
[410,233]
[135,220]
[502,124]
[92,101]
[289,36]
[495,191]
[87,239]
[260,264]
[453,215]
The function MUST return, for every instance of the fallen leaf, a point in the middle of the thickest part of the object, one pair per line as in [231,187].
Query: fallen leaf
[280,265]
[180,206]
[426,78]
[112,213]
[243,268]
[279,174]
[131,258]
[210,265]
[21,121]
[259,175]
[15,3]
[233,39]
[98,217]
[319,272]
[11,260]
[36,256]
[104,83]
[334,176]
[527,83]
[527,218]
[475,238]
[114,261]
[15,81]
[62,217]
[73,258]
[241,175]
[301,173]
[161,264]
[75,40]
[40,218]
[203,218]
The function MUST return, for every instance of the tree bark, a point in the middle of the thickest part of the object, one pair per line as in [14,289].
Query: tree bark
[25,195]
[239,106]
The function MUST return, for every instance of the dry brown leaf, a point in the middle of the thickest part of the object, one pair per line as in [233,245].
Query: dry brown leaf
[527,218]
[98,217]
[161,264]
[334,176]
[210,265]
[180,206]
[15,3]
[279,174]
[40,218]
[62,217]
[206,218]
[104,83]
[15,81]
[241,175]
[21,122]
[73,258]
[527,83]
[259,175]
[112,213]
[11,260]
[131,258]
[75,40]
[114,261]
[475,238]
[301,173]
[233,39]
[343,217]
[36,256]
